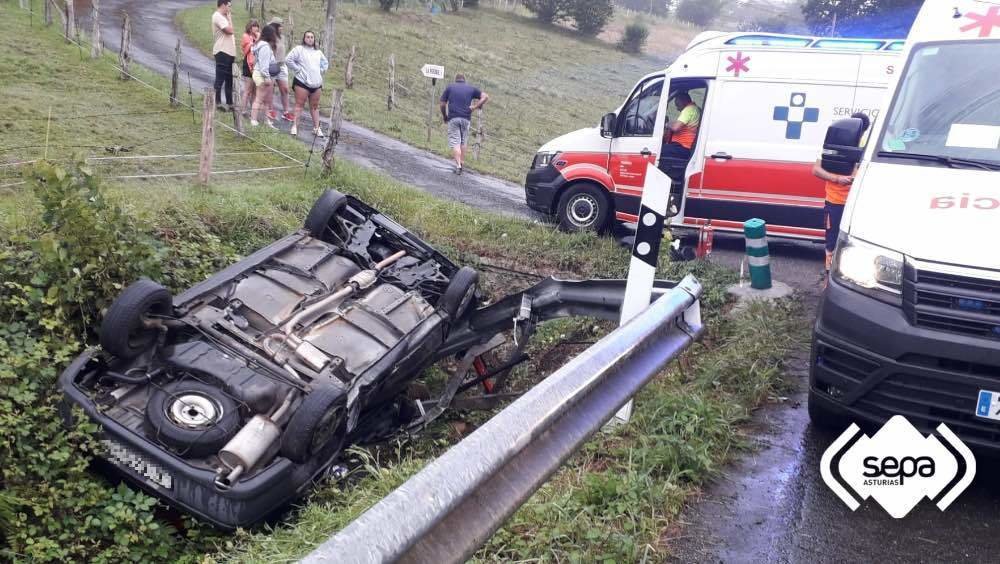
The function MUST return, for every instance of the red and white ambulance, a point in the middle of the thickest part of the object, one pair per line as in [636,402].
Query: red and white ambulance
[766,102]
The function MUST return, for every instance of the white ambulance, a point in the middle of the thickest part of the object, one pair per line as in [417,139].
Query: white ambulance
[910,321]
[766,102]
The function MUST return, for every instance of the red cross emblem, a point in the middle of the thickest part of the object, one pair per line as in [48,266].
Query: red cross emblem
[985,22]
[738,64]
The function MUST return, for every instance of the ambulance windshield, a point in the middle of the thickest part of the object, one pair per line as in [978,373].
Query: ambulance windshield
[947,105]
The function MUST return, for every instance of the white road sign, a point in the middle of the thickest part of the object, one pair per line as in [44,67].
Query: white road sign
[433,71]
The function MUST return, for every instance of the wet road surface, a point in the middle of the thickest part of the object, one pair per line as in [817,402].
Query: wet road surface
[154,38]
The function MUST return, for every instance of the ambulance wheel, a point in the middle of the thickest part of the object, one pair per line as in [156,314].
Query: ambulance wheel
[825,418]
[584,207]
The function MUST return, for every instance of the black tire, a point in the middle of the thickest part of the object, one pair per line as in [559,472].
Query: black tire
[192,418]
[122,330]
[319,421]
[584,207]
[460,293]
[323,211]
[822,417]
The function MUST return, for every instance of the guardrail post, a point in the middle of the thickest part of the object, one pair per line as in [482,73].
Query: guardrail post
[758,258]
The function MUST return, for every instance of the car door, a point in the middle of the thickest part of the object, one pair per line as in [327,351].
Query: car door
[636,143]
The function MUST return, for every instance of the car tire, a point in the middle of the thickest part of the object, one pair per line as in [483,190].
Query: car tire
[122,331]
[460,293]
[326,207]
[822,417]
[193,418]
[584,207]
[319,420]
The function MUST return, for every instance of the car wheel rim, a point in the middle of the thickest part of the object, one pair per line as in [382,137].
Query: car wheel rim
[194,411]
[583,210]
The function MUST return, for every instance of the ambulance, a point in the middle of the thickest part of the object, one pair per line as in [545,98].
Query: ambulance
[910,321]
[766,101]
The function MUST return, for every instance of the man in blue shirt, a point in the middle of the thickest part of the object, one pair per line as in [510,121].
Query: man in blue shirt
[456,108]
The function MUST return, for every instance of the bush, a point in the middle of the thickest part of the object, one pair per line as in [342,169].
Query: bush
[52,292]
[548,11]
[591,16]
[634,38]
[388,5]
[770,25]
[699,12]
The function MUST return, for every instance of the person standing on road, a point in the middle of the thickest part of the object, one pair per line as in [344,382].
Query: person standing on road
[309,64]
[250,36]
[456,108]
[838,187]
[282,78]
[224,50]
[265,69]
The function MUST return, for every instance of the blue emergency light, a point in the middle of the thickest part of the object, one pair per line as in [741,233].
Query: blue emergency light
[853,44]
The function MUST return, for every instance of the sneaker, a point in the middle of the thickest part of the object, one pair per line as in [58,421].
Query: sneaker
[318,132]
[288,116]
[272,115]
[271,124]
[254,123]
[294,130]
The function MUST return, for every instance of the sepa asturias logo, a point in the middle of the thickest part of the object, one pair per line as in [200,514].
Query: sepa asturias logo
[898,467]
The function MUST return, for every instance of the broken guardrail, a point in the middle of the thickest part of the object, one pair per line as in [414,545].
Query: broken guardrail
[450,508]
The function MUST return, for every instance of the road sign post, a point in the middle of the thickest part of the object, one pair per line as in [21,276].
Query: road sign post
[433,72]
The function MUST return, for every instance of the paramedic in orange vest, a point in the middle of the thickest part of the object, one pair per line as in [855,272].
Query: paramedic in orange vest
[837,188]
[681,133]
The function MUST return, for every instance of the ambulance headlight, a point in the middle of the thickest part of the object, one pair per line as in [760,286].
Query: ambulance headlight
[544,158]
[869,268]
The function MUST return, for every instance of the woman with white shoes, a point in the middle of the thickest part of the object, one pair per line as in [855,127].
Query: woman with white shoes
[265,71]
[309,64]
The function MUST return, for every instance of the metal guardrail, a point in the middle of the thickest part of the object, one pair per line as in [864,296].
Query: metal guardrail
[450,508]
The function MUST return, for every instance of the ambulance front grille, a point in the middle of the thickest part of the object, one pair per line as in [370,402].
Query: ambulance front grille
[954,303]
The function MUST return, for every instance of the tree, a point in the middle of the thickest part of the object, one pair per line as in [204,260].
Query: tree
[591,16]
[548,11]
[861,18]
[699,12]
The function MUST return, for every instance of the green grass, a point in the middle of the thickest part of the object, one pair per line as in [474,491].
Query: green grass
[542,81]
[614,498]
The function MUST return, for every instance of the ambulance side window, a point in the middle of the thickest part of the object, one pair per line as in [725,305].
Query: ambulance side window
[638,117]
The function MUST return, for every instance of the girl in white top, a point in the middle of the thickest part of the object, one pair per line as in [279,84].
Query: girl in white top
[309,64]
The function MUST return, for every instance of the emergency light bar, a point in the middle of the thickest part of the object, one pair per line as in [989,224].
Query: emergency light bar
[765,40]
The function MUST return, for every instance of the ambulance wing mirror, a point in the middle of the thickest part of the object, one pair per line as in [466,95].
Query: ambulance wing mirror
[841,152]
[608,125]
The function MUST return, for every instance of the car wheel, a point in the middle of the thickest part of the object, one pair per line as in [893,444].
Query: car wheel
[123,331]
[318,422]
[823,417]
[460,293]
[584,207]
[323,212]
[193,418]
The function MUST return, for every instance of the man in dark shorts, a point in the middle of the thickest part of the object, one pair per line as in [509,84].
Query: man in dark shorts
[456,109]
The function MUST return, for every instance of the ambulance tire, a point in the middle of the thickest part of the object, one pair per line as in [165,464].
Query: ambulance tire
[824,418]
[584,207]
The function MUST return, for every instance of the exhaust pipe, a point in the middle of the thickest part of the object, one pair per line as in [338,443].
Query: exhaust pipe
[250,445]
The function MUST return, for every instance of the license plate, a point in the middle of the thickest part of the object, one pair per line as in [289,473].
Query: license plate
[988,405]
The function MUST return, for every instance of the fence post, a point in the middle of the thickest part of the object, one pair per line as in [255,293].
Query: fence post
[430,108]
[480,130]
[329,26]
[262,19]
[349,71]
[70,21]
[97,46]
[123,53]
[175,77]
[237,98]
[289,38]
[336,115]
[48,12]
[391,100]
[207,137]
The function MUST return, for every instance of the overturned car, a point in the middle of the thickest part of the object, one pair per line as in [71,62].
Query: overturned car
[231,399]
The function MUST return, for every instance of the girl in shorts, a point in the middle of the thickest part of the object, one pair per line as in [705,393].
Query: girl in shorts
[250,36]
[264,64]
[309,64]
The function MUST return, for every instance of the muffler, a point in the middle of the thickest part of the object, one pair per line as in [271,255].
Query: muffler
[250,445]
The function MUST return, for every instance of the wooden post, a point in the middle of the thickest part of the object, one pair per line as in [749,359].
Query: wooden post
[124,55]
[263,21]
[175,77]
[391,100]
[349,71]
[70,21]
[290,36]
[97,46]
[480,131]
[333,136]
[48,12]
[430,108]
[329,25]
[207,137]
[237,97]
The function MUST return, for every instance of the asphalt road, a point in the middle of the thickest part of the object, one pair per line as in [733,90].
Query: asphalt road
[154,38]
[772,505]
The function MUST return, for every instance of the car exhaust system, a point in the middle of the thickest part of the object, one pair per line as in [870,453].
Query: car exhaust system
[250,445]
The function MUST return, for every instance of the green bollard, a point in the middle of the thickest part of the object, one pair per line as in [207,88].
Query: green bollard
[758,258]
